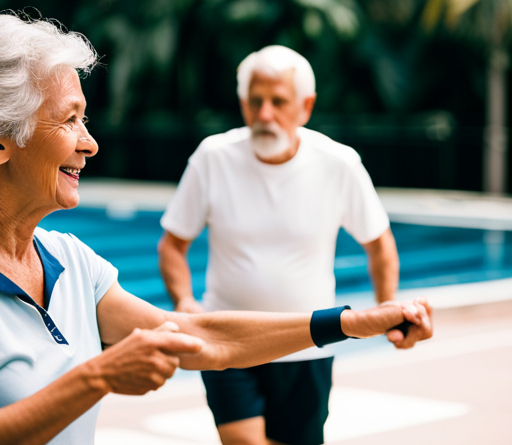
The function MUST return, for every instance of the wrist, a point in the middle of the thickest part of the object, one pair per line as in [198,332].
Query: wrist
[185,299]
[348,320]
[93,376]
[326,327]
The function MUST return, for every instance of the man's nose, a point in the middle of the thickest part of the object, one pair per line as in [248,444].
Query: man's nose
[266,112]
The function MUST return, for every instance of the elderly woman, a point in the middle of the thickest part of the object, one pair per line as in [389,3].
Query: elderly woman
[59,301]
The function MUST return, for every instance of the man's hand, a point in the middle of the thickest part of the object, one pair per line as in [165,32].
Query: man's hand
[143,361]
[419,313]
[189,305]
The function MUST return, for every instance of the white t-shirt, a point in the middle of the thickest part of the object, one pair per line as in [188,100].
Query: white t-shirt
[272,228]
[38,346]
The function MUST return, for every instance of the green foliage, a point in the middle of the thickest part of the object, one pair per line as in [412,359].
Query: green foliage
[169,75]
[484,22]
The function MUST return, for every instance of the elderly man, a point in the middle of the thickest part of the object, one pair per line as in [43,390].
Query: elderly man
[274,196]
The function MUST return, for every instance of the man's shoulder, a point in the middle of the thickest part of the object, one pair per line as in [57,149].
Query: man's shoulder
[326,147]
[224,141]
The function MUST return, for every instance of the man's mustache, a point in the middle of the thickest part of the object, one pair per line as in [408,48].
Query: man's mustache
[262,129]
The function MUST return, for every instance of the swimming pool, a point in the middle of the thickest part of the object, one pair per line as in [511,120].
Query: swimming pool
[429,255]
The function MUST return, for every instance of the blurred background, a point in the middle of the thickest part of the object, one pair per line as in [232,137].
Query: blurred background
[417,87]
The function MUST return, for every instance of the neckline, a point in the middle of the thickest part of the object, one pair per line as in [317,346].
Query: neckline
[51,272]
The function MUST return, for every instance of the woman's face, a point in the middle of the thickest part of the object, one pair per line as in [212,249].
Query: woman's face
[52,159]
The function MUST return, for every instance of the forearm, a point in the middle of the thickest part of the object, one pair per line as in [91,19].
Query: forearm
[242,339]
[175,271]
[238,339]
[40,417]
[383,266]
[371,322]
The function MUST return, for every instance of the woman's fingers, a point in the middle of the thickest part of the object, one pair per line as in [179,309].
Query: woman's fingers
[144,360]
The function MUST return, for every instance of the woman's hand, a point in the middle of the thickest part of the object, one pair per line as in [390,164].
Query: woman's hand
[143,361]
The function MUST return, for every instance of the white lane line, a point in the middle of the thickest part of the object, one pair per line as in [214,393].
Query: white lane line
[193,424]
[359,412]
[125,436]
[388,357]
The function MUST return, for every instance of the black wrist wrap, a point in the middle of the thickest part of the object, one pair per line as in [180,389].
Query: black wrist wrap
[325,326]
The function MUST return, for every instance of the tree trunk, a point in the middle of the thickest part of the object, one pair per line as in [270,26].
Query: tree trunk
[496,133]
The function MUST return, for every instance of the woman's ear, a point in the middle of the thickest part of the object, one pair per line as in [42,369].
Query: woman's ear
[5,150]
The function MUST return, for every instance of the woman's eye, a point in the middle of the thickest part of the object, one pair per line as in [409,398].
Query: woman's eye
[85,119]
[72,120]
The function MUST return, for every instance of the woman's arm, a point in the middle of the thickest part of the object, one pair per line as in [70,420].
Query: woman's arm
[242,339]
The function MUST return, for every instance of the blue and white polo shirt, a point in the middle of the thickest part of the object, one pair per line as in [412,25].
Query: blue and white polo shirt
[38,345]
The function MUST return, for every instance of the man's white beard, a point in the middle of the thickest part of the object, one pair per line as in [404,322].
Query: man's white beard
[266,146]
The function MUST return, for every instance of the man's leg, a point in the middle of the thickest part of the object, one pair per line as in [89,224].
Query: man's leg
[237,405]
[297,396]
[273,404]
[243,432]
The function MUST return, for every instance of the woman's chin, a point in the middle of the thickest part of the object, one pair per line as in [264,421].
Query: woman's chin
[69,201]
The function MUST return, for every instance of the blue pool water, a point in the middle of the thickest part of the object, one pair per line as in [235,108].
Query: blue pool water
[429,256]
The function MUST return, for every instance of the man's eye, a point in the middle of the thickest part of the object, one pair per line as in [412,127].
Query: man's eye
[255,102]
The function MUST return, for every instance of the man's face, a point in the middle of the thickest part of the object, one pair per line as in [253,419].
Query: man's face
[274,113]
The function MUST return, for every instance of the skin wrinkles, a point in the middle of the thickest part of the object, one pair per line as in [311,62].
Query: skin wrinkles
[32,185]
[57,142]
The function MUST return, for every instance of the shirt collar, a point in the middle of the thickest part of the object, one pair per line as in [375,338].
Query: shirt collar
[52,270]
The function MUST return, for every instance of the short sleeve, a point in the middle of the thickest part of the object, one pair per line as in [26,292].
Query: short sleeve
[186,213]
[101,272]
[364,216]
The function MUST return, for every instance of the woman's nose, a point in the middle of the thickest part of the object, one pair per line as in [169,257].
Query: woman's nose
[86,143]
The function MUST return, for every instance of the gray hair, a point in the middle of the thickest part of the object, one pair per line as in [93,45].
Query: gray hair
[31,51]
[272,61]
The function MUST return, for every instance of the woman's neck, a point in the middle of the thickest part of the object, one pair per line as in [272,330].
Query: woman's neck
[18,220]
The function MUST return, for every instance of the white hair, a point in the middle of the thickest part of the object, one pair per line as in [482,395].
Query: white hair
[31,51]
[273,61]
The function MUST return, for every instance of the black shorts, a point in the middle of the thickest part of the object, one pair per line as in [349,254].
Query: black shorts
[292,397]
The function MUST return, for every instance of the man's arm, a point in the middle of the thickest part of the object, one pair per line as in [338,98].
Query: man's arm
[384,271]
[176,273]
[383,266]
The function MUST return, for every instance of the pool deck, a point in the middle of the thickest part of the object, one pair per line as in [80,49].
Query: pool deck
[453,389]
